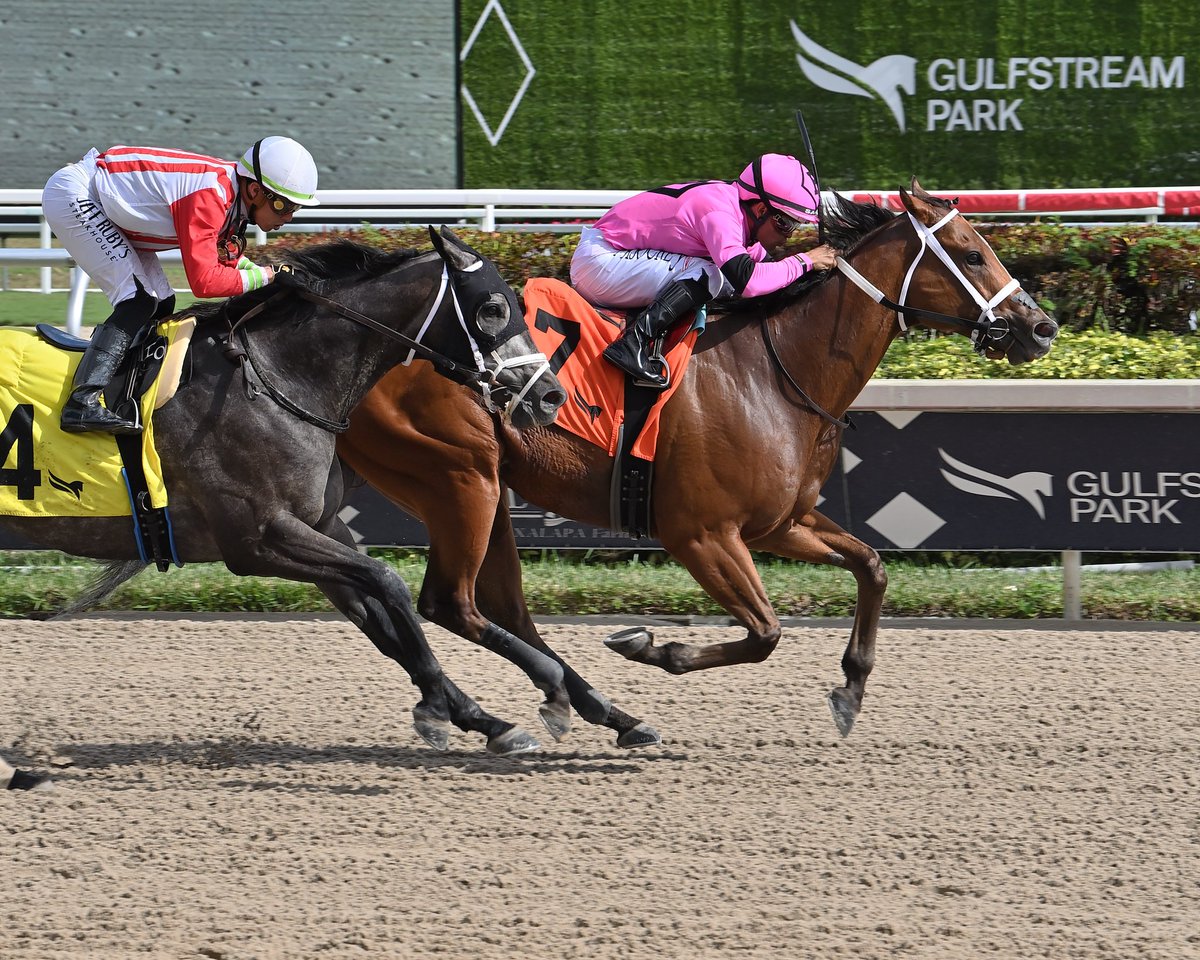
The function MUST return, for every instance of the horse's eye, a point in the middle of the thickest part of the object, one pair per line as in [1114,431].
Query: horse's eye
[974,258]
[493,315]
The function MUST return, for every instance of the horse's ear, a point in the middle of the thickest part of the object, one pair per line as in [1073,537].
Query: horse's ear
[452,250]
[916,201]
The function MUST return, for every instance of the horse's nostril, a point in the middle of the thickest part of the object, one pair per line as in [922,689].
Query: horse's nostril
[554,399]
[1046,330]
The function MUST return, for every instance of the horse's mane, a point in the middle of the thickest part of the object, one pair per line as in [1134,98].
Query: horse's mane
[320,267]
[845,223]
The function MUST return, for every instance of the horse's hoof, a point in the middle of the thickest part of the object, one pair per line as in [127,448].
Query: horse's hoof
[433,730]
[643,735]
[556,716]
[30,781]
[844,710]
[511,742]
[631,642]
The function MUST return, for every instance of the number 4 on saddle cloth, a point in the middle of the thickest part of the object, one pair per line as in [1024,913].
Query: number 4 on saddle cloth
[603,408]
[46,472]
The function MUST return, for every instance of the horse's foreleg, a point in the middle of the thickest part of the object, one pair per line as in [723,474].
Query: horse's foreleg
[458,537]
[720,563]
[378,602]
[501,598]
[441,701]
[817,539]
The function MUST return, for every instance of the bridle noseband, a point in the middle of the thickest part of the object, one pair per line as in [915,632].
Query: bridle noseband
[989,331]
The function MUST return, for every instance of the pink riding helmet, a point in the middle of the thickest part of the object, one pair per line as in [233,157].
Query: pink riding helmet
[784,183]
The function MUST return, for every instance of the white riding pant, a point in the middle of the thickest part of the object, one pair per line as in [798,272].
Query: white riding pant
[95,243]
[608,277]
[6,774]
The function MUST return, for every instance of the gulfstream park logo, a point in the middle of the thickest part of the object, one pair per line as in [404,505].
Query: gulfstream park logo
[1030,486]
[890,77]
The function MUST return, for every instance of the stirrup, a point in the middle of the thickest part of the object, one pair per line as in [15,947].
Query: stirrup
[654,384]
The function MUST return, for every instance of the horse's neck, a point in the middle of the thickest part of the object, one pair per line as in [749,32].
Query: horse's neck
[829,349]
[333,365]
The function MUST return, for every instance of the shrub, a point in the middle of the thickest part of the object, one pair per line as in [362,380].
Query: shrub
[1124,294]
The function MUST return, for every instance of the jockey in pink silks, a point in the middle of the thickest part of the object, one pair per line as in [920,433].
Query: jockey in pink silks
[680,246]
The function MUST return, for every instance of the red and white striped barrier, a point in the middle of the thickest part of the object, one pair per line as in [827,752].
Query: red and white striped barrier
[1147,201]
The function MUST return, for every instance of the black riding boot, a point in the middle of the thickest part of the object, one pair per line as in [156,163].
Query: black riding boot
[82,411]
[634,350]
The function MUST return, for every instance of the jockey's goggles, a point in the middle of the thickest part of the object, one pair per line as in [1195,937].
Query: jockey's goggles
[280,204]
[783,223]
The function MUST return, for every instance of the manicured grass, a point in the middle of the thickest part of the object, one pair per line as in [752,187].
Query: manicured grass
[38,583]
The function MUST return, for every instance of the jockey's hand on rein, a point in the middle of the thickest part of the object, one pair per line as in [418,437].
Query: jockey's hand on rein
[288,276]
[823,257]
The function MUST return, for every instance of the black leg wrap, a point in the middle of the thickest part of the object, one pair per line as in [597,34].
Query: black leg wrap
[545,673]
[26,781]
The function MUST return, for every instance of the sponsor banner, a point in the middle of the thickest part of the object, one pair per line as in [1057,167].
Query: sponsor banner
[1101,482]
[1019,481]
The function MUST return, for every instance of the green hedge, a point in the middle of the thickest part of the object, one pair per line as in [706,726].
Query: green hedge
[1123,295]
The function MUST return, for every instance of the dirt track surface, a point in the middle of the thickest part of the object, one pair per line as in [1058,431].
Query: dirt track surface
[252,788]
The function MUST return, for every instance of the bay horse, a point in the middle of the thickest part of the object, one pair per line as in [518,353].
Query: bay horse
[745,445]
[248,453]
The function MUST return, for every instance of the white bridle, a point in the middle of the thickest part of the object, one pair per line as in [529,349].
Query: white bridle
[983,328]
[491,375]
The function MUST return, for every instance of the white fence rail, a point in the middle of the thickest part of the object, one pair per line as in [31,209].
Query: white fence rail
[565,211]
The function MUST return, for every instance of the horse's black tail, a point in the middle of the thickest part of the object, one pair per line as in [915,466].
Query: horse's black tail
[115,573]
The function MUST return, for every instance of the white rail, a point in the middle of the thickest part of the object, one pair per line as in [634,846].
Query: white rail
[564,211]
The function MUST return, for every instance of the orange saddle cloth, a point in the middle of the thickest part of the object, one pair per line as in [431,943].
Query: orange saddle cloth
[573,334]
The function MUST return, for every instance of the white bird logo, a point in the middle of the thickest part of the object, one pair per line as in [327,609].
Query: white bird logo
[884,79]
[1030,486]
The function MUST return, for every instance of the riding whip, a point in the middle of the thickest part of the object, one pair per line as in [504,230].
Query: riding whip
[812,168]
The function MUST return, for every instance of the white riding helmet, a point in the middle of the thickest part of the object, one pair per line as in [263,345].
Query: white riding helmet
[284,167]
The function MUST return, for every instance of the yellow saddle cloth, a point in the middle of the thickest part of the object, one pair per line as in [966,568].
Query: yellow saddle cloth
[46,472]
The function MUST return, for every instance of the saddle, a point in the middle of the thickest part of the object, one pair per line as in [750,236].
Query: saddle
[151,356]
[606,408]
[154,359]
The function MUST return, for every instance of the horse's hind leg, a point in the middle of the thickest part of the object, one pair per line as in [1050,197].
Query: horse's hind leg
[501,598]
[817,539]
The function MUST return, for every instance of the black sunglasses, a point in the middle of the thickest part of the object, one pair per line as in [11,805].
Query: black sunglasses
[783,223]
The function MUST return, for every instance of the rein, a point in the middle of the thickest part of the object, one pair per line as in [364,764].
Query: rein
[986,331]
[449,367]
[813,405]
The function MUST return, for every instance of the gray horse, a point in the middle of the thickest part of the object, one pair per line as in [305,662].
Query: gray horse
[248,452]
